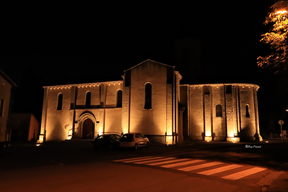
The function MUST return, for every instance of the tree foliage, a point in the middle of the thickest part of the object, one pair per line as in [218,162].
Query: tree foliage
[276,38]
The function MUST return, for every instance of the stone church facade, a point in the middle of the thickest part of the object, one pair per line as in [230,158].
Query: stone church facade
[151,100]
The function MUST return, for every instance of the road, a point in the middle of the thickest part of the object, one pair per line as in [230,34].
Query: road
[197,166]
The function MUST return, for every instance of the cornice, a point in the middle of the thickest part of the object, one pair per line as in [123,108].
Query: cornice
[243,85]
[83,85]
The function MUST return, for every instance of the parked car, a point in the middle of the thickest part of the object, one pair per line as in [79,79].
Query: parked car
[134,140]
[109,141]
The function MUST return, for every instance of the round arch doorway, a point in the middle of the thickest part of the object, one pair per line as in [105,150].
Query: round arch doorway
[88,129]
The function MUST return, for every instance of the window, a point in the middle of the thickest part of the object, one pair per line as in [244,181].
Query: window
[247,111]
[218,111]
[60,100]
[88,100]
[1,107]
[148,96]
[119,98]
[138,135]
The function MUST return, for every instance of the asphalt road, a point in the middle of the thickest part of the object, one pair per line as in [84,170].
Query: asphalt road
[78,167]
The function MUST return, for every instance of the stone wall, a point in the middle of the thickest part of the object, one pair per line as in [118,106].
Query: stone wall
[239,111]
[59,124]
[200,119]
[148,121]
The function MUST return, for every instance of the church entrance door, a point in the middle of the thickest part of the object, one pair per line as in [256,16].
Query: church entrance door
[88,129]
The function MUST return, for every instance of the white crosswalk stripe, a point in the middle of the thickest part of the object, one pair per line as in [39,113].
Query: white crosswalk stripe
[155,160]
[143,159]
[186,164]
[245,173]
[220,169]
[199,166]
[135,158]
[165,162]
[182,163]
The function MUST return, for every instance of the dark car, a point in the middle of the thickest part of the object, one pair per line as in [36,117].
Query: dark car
[109,141]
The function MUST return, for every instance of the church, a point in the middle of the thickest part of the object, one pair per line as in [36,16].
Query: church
[150,99]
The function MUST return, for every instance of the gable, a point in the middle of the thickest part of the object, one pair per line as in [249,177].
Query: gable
[146,62]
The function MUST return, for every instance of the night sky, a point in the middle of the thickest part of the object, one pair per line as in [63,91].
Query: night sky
[207,41]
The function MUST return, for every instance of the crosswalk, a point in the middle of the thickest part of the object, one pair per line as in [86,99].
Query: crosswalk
[199,166]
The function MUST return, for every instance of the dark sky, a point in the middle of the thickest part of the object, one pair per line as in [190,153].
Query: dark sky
[102,40]
[208,42]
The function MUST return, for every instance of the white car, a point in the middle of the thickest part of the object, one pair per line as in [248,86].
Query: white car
[134,140]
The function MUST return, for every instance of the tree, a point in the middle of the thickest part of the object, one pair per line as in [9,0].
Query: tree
[276,38]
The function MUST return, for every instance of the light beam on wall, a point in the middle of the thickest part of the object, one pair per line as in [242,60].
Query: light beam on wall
[208,133]
[69,134]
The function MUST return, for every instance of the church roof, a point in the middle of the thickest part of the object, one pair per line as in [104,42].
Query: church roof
[219,84]
[7,78]
[147,60]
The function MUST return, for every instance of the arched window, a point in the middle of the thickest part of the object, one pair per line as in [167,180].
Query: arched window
[88,100]
[60,101]
[247,111]
[148,96]
[119,98]
[218,111]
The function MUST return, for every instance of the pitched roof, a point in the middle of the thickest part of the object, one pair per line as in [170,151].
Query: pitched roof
[7,78]
[147,61]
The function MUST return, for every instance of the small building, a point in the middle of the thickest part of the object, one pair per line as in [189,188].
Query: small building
[151,100]
[23,127]
[5,93]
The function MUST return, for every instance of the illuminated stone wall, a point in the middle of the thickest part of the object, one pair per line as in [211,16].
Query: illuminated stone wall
[239,118]
[178,112]
[159,122]
[196,113]
[218,123]
[57,121]
[59,124]
[149,121]
[81,95]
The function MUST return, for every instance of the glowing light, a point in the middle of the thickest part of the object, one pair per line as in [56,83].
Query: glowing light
[232,132]
[286,110]
[208,133]
[208,138]
[125,130]
[266,141]
[69,134]
[281,12]
[169,140]
[37,145]
[233,139]
[41,139]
